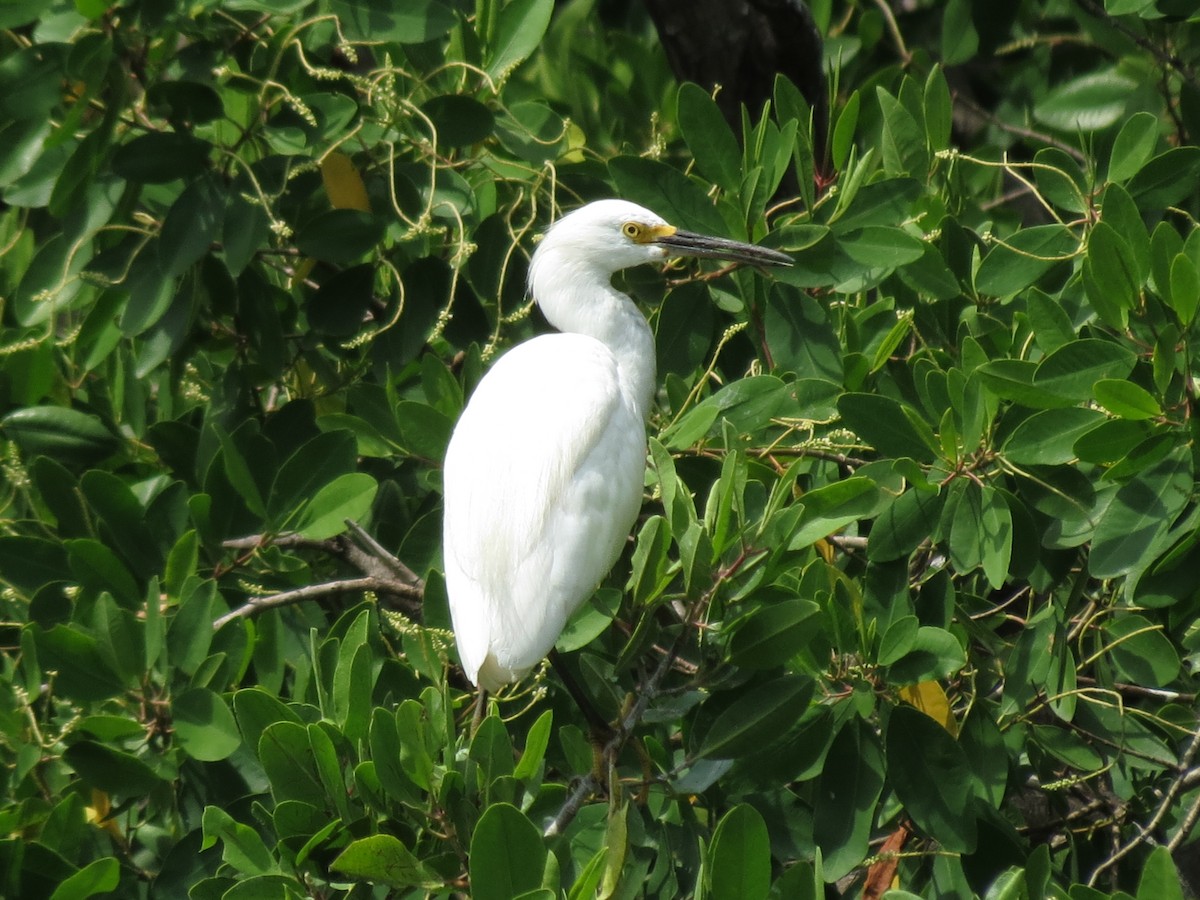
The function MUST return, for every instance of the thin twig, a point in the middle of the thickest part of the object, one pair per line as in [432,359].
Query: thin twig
[647,691]
[381,572]
[314,592]
[1168,799]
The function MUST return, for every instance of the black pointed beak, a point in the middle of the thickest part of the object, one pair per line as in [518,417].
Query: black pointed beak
[688,243]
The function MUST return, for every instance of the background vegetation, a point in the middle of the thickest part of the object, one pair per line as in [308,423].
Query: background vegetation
[913,601]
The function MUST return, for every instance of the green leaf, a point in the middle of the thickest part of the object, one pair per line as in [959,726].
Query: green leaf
[536,743]
[739,858]
[1087,103]
[902,526]
[830,508]
[411,22]
[1134,144]
[160,157]
[709,137]
[1111,278]
[241,846]
[204,726]
[1160,878]
[1141,511]
[100,876]
[287,759]
[881,247]
[83,673]
[1140,651]
[931,777]
[773,633]
[192,226]
[1023,258]
[1126,399]
[67,435]
[1048,437]
[1184,288]
[111,770]
[383,859]
[460,120]
[932,653]
[1072,370]
[846,794]
[1167,178]
[346,497]
[891,427]
[520,27]
[315,464]
[340,235]
[750,724]
[507,854]
[960,40]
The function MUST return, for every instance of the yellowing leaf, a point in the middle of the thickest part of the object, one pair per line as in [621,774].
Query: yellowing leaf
[930,699]
[98,814]
[343,184]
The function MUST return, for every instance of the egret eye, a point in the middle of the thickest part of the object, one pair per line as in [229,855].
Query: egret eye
[631,230]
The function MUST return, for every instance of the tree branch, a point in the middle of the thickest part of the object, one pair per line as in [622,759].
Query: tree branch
[381,572]
[314,592]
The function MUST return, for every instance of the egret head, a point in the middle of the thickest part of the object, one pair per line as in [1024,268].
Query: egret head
[610,235]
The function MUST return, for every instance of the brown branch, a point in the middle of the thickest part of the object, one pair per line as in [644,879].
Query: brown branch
[1176,786]
[315,592]
[381,572]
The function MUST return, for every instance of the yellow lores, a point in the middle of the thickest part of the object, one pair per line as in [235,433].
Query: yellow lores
[544,472]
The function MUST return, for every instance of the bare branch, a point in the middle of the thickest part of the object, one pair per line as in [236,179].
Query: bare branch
[315,592]
[381,571]
[1144,833]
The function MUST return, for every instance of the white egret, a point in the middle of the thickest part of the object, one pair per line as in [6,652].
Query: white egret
[544,472]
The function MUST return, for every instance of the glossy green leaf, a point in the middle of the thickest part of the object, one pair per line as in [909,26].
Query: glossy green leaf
[98,877]
[773,634]
[932,653]
[64,434]
[111,770]
[1048,437]
[889,426]
[340,235]
[1126,399]
[241,845]
[204,726]
[348,496]
[1140,512]
[459,120]
[708,137]
[1023,258]
[747,726]
[739,858]
[160,157]
[1140,651]
[520,26]
[507,854]
[1073,369]
[846,794]
[1133,147]
[192,226]
[1086,103]
[932,778]
[1184,288]
[383,859]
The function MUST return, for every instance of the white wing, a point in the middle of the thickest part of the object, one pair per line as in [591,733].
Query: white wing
[543,480]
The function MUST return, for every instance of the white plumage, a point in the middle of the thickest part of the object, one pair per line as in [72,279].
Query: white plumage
[544,472]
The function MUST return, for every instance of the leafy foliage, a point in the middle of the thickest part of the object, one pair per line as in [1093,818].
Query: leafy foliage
[912,601]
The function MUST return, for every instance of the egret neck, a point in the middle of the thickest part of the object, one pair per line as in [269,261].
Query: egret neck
[576,295]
